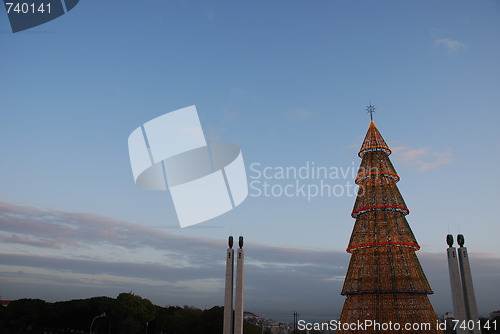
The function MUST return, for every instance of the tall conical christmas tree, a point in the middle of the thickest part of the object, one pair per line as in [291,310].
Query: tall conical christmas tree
[385,282]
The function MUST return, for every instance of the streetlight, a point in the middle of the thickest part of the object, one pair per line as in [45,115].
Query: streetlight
[92,323]
[295,320]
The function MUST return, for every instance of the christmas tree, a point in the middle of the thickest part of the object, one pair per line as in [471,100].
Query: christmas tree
[385,283]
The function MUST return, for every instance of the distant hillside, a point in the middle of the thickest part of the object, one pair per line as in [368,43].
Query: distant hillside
[126,314]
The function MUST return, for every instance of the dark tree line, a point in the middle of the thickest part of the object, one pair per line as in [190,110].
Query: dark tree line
[127,314]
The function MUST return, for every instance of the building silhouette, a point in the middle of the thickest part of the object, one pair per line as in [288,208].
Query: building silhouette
[385,283]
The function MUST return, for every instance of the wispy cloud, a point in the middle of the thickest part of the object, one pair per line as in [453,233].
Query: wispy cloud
[450,44]
[96,255]
[174,270]
[423,159]
[299,114]
[215,133]
[211,15]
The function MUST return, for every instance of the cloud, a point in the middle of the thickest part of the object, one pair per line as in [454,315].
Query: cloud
[90,255]
[450,44]
[299,114]
[215,133]
[192,131]
[115,256]
[423,159]
[211,15]
[40,242]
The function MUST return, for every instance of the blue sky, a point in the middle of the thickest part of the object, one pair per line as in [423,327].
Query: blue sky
[288,83]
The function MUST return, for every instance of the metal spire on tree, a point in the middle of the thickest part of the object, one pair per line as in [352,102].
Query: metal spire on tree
[371,110]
